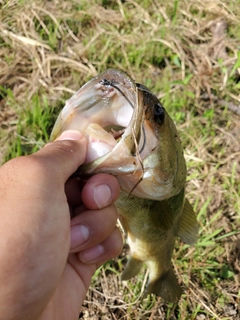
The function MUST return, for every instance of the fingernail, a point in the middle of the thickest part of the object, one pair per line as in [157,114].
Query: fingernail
[79,235]
[70,135]
[92,254]
[102,195]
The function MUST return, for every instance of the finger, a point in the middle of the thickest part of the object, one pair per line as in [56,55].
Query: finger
[92,227]
[112,247]
[100,191]
[108,249]
[64,155]
[95,194]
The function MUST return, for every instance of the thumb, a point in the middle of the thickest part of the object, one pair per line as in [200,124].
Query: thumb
[64,155]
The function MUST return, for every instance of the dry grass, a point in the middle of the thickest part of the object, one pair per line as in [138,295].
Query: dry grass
[187,52]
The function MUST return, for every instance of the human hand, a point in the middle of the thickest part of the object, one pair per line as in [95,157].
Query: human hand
[46,259]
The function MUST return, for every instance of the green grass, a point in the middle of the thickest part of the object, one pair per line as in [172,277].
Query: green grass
[49,49]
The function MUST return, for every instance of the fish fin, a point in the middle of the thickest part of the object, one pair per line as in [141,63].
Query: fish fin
[167,286]
[132,268]
[188,229]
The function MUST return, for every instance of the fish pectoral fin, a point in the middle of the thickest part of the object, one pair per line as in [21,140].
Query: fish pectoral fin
[132,268]
[167,286]
[188,229]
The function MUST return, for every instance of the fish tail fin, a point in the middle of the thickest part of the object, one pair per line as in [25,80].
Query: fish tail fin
[132,268]
[166,286]
[188,229]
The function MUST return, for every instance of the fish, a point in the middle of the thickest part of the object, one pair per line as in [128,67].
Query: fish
[131,136]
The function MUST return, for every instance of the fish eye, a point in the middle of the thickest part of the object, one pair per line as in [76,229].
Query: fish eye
[158,113]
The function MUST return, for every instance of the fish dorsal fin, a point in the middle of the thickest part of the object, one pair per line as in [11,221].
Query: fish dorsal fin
[188,229]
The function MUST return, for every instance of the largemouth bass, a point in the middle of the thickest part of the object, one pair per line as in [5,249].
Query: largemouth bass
[131,136]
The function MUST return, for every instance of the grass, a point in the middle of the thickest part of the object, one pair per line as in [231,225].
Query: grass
[187,53]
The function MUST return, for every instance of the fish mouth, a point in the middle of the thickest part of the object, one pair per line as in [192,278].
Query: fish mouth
[107,109]
[108,100]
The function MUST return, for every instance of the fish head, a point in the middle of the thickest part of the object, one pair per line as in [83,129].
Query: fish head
[160,151]
[130,135]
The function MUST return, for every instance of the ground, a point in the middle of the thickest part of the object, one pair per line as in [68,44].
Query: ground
[187,53]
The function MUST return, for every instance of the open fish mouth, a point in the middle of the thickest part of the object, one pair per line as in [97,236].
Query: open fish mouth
[107,109]
[102,108]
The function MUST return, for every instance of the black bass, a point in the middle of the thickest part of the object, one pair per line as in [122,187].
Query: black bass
[131,136]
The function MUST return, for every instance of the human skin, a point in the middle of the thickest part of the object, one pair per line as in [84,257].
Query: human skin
[47,259]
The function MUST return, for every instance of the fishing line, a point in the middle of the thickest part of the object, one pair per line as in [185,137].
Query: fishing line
[106,82]
[141,163]
[144,140]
